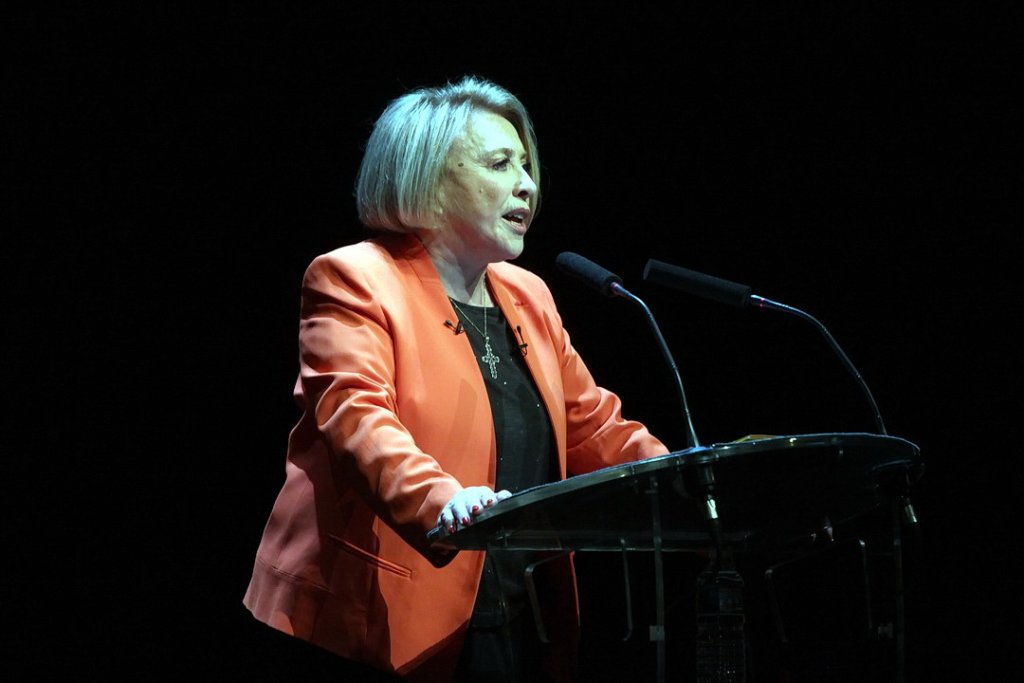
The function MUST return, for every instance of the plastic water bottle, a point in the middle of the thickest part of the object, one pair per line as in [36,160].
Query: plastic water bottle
[721,646]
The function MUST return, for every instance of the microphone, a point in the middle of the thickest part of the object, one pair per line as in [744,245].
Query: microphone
[724,291]
[522,345]
[610,284]
[695,283]
[590,273]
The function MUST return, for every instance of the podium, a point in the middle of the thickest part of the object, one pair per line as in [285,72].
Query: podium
[755,493]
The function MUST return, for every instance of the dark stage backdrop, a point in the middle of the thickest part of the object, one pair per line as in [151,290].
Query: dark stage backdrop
[171,170]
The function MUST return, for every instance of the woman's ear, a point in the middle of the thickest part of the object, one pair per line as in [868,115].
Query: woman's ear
[437,203]
[437,210]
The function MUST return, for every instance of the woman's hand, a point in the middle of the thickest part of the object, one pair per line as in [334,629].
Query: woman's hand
[467,504]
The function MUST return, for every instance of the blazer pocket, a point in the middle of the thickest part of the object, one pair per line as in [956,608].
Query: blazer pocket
[370,558]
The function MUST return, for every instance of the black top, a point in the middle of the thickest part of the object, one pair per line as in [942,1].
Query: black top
[525,450]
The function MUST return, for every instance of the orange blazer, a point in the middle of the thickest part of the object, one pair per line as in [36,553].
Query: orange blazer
[395,420]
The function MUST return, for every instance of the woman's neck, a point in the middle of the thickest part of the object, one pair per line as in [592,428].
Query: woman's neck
[463,282]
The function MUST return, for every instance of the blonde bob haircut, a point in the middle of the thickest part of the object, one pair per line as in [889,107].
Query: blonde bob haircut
[405,156]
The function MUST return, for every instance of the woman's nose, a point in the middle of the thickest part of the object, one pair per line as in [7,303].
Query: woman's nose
[526,188]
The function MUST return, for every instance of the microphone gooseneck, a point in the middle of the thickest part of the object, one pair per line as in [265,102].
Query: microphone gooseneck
[724,291]
[610,284]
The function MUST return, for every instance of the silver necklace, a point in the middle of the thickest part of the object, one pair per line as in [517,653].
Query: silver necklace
[488,357]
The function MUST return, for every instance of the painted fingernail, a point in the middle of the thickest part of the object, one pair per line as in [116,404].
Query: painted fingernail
[451,529]
[465,520]
[476,508]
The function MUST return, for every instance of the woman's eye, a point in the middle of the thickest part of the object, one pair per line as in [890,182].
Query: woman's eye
[502,165]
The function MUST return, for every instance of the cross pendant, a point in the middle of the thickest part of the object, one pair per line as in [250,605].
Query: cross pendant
[490,359]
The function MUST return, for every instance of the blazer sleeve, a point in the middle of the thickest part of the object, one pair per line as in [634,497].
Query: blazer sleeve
[597,435]
[347,385]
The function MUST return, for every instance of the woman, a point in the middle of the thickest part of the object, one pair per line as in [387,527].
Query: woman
[435,380]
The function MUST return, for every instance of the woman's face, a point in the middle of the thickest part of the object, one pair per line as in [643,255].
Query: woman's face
[485,192]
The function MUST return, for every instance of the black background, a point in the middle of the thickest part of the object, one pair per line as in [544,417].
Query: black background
[171,169]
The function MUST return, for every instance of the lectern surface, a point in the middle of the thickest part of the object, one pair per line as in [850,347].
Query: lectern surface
[764,489]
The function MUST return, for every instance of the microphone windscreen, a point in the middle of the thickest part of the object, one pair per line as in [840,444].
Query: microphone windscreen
[698,284]
[589,272]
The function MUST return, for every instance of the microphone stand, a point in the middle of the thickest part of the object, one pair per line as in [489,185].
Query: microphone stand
[705,476]
[902,510]
[897,483]
[610,284]
[691,435]
[768,304]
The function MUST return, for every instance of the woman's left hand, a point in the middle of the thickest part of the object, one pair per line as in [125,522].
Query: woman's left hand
[467,504]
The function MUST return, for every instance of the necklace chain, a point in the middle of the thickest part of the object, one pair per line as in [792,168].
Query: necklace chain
[488,357]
